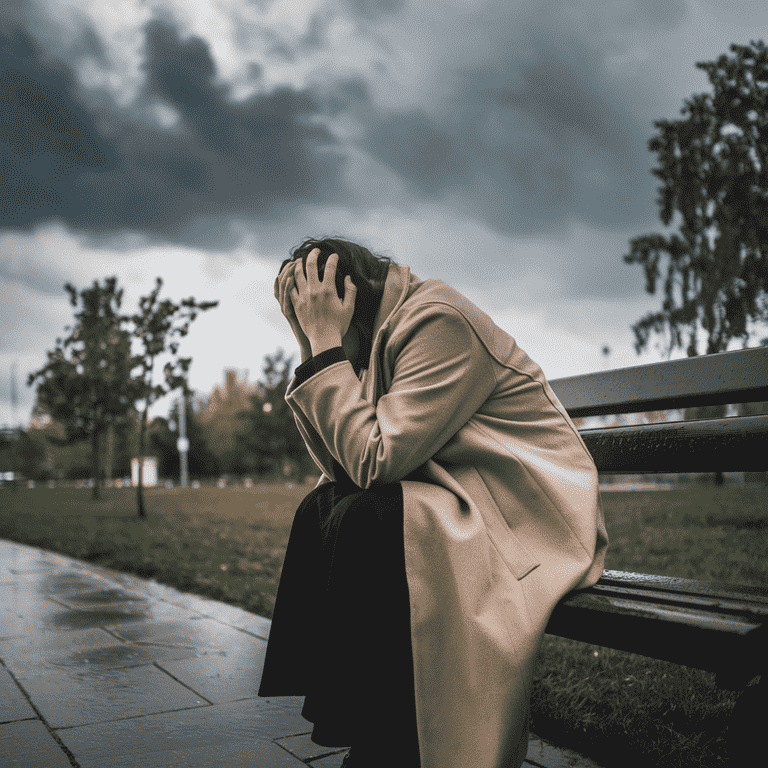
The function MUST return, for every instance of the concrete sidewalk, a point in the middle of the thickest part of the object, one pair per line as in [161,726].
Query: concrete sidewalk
[105,670]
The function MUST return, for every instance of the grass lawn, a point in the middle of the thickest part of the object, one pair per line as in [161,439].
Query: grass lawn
[615,707]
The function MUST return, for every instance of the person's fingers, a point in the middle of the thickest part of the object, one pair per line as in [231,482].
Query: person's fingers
[350,292]
[313,274]
[280,280]
[299,280]
[282,291]
[287,303]
[285,279]
[329,276]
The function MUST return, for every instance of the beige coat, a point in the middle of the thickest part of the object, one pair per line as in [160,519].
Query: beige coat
[502,513]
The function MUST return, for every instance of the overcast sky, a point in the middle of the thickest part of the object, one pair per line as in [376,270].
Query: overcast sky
[499,145]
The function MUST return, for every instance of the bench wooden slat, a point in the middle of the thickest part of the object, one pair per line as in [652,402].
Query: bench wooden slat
[718,628]
[718,379]
[737,444]
[715,590]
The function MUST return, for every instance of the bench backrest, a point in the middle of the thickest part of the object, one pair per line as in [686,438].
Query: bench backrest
[718,627]
[713,445]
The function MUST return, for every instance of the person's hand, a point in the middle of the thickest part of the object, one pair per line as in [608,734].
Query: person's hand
[283,284]
[323,316]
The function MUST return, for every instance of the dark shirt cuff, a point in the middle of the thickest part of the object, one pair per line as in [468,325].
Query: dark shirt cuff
[316,364]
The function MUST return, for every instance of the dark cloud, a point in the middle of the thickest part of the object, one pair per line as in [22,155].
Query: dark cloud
[527,144]
[652,14]
[373,9]
[101,171]
[522,136]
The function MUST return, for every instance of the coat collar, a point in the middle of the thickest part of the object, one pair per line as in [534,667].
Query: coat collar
[397,287]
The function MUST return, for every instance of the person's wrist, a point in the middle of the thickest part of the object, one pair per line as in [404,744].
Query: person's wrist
[320,344]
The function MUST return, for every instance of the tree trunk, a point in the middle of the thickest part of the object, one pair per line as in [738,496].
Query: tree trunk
[140,488]
[95,463]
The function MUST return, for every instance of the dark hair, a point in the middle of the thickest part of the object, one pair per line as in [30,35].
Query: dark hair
[368,272]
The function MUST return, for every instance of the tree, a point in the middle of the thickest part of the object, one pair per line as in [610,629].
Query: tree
[714,169]
[271,437]
[86,383]
[158,327]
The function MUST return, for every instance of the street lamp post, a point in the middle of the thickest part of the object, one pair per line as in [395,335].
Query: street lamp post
[182,443]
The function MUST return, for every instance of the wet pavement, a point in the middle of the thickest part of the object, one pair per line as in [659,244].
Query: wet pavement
[105,670]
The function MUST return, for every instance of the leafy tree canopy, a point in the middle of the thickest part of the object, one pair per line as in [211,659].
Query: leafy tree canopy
[86,383]
[713,165]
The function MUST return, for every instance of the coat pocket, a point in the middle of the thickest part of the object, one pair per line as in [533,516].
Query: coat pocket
[514,553]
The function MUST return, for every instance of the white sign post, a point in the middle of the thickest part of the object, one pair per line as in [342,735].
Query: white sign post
[182,443]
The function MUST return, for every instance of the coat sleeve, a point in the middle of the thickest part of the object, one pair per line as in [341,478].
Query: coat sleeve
[442,374]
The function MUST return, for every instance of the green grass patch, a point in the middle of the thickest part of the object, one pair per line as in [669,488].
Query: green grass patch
[223,543]
[622,708]
[615,707]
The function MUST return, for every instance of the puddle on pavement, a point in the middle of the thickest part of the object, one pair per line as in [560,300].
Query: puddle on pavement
[106,596]
[58,583]
[85,619]
[112,656]
[86,603]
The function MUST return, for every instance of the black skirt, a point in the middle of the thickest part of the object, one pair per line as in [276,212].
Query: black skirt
[340,632]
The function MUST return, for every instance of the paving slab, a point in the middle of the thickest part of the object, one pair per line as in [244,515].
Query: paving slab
[238,754]
[222,677]
[254,720]
[124,672]
[24,611]
[28,744]
[13,703]
[304,748]
[35,654]
[77,698]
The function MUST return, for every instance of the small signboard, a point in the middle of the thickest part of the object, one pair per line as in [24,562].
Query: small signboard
[149,478]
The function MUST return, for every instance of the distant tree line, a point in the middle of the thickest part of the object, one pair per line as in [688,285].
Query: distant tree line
[239,431]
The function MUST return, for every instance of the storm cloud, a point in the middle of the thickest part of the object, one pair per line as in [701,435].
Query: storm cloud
[99,171]
[522,123]
[528,129]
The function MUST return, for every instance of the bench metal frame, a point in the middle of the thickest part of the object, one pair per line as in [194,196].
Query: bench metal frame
[718,627]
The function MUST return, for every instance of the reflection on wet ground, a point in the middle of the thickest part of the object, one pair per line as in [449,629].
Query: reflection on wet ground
[105,669]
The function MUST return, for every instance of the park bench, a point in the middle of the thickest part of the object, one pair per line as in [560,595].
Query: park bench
[717,627]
